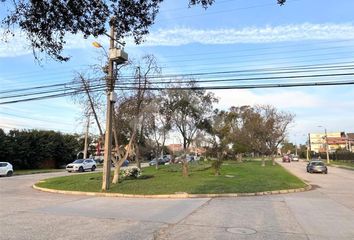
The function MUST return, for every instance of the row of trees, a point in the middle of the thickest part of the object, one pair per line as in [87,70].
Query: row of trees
[145,116]
[259,129]
[31,149]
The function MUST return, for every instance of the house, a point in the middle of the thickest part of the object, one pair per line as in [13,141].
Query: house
[175,148]
[350,143]
[335,141]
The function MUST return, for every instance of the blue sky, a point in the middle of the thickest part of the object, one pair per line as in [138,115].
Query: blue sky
[230,35]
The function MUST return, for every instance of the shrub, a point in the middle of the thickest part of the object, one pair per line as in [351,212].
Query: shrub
[131,172]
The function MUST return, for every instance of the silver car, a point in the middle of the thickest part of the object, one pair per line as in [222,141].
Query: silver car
[316,166]
[80,165]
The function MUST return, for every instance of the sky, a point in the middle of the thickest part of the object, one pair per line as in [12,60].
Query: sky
[231,35]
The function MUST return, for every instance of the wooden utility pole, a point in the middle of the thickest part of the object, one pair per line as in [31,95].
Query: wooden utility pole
[86,136]
[115,56]
[110,103]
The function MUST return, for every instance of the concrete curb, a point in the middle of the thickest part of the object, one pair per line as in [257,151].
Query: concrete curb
[174,196]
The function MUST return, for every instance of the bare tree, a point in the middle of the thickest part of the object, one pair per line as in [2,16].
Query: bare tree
[133,107]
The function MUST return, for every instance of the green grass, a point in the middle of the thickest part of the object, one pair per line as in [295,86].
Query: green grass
[235,178]
[343,163]
[35,171]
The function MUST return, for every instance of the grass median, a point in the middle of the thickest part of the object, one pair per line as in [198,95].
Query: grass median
[244,177]
[36,171]
[346,164]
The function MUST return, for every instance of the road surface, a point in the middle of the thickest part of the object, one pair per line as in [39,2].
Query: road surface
[327,212]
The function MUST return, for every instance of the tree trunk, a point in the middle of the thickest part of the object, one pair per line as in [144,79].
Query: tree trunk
[218,164]
[137,156]
[273,159]
[263,161]
[116,174]
[185,170]
[239,157]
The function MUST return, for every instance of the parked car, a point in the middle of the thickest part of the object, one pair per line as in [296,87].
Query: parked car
[167,158]
[295,158]
[6,169]
[286,158]
[316,166]
[190,158]
[160,162]
[125,163]
[81,165]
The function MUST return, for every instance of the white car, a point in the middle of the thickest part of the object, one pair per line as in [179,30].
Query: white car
[6,169]
[80,165]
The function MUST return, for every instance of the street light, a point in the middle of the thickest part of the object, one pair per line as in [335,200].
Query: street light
[98,45]
[326,139]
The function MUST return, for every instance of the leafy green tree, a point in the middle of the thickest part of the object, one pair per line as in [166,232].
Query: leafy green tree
[4,146]
[288,147]
[27,149]
[189,110]
[266,128]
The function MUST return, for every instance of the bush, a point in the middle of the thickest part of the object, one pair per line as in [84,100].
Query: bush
[131,172]
[339,155]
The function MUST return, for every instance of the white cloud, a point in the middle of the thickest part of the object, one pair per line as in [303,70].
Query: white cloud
[182,36]
[19,45]
[279,98]
[268,34]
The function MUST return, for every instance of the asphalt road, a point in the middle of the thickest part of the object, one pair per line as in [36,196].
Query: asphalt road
[327,212]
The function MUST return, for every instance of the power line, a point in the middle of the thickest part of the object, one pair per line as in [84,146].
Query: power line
[262,60]
[253,86]
[228,11]
[242,86]
[250,86]
[316,43]
[61,72]
[258,55]
[35,119]
[223,76]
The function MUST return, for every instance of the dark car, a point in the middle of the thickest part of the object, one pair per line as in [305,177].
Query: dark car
[125,163]
[286,158]
[316,166]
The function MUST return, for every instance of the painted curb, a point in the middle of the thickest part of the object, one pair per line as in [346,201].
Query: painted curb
[174,196]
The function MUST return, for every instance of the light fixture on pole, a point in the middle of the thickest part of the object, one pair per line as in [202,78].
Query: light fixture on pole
[326,140]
